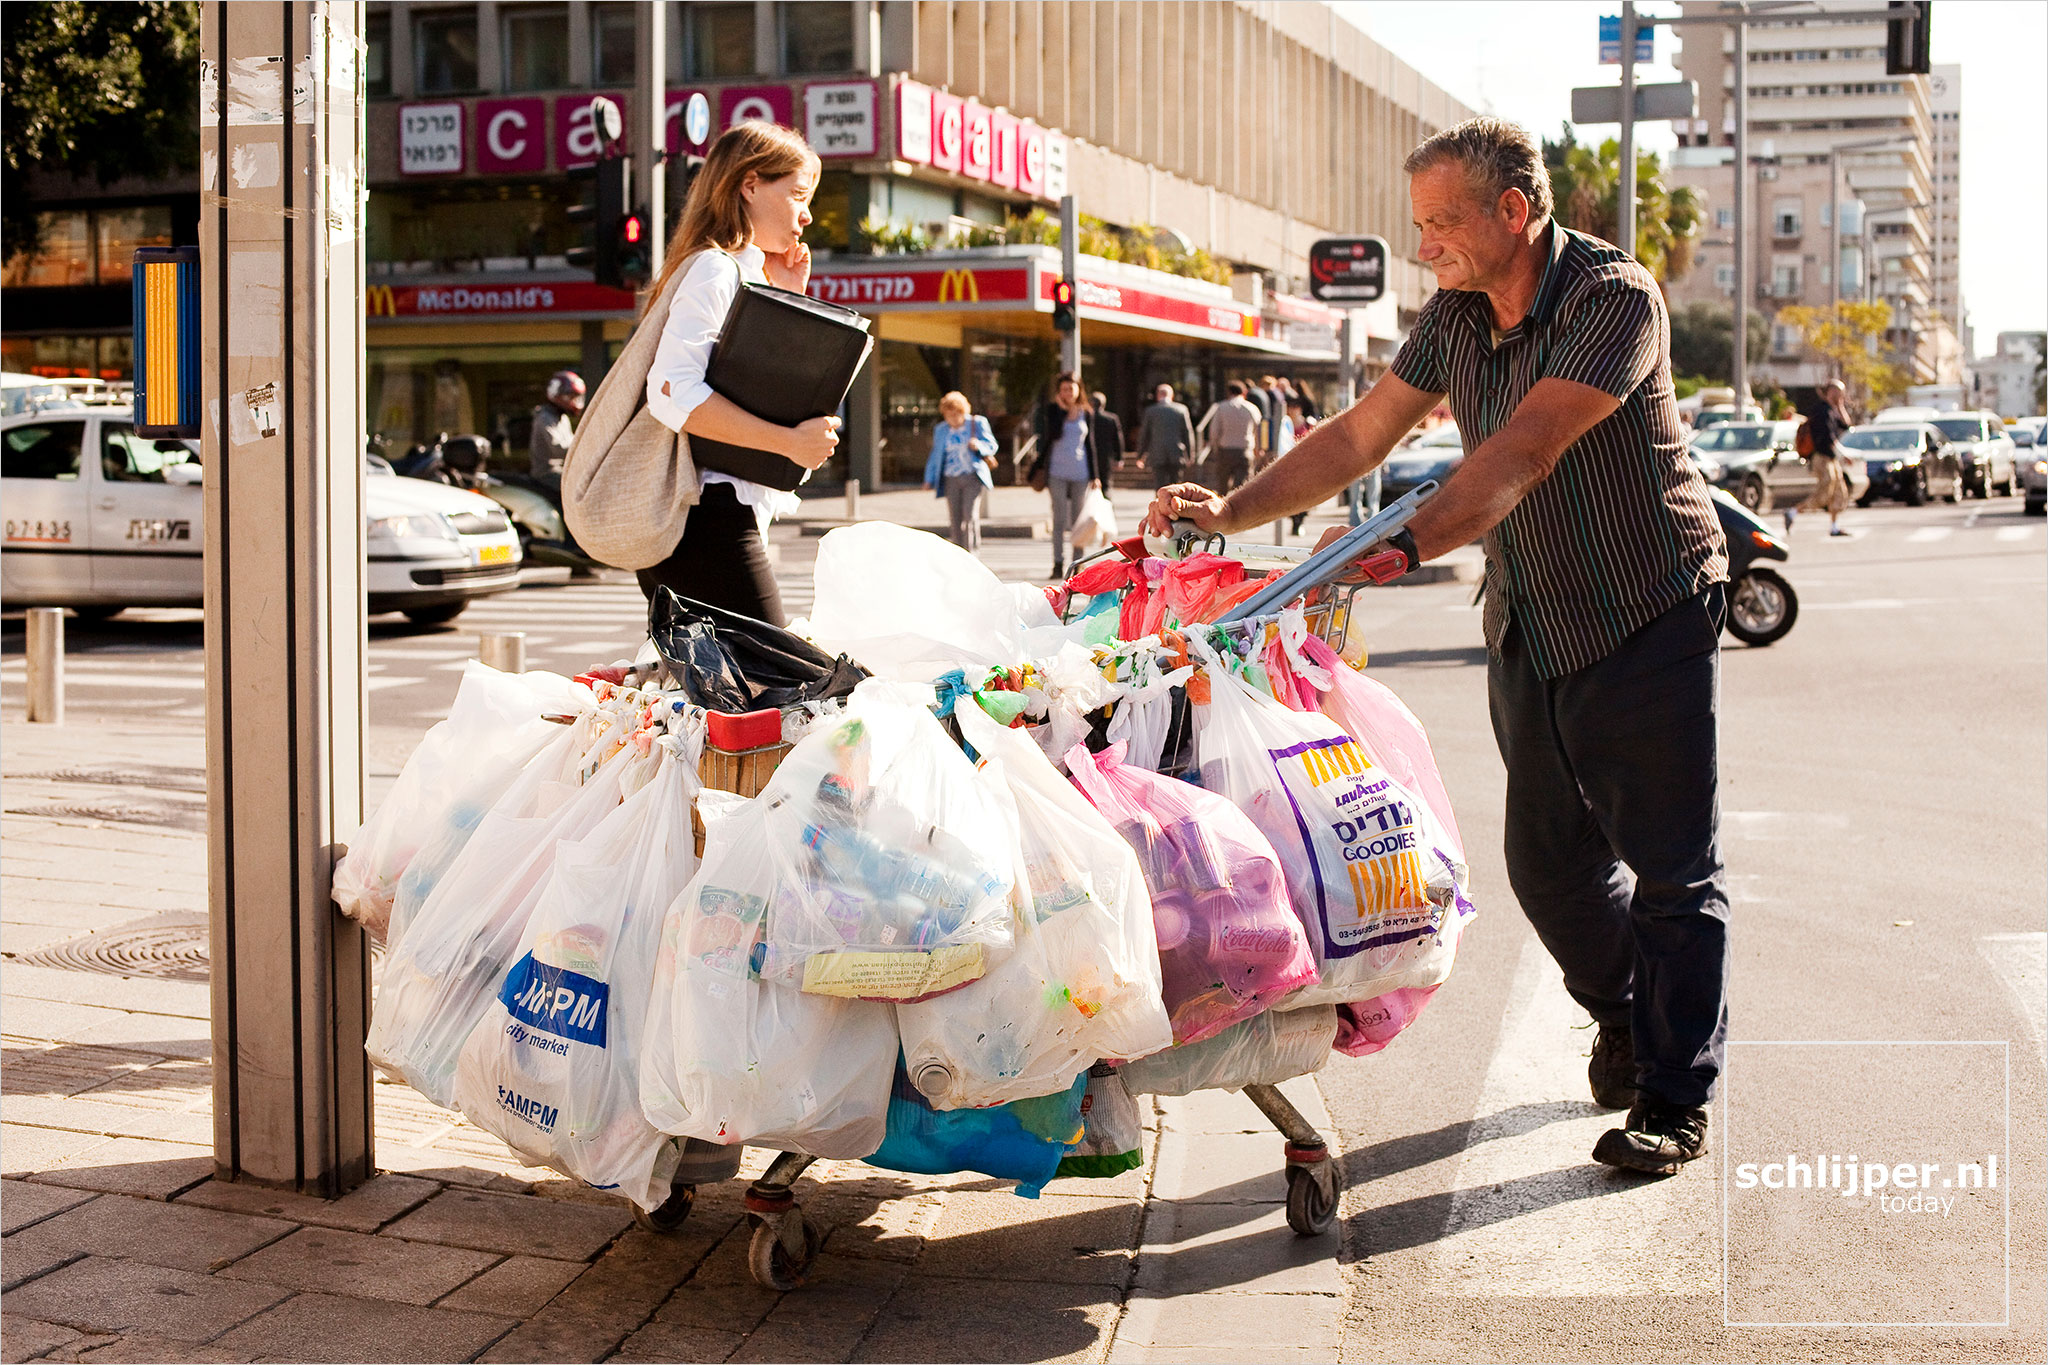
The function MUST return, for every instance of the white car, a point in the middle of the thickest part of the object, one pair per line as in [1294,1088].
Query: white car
[1989,456]
[97,519]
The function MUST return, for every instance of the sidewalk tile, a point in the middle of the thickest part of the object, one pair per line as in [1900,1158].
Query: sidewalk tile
[19,1265]
[1221,1168]
[177,1084]
[635,1276]
[324,1327]
[425,1163]
[827,1318]
[514,1224]
[661,1341]
[552,1336]
[17,938]
[517,1287]
[721,1295]
[1229,1326]
[1199,1249]
[153,995]
[23,1204]
[25,1150]
[153,1232]
[87,1114]
[154,1170]
[63,1068]
[1053,1237]
[24,1338]
[894,1228]
[328,1260]
[144,1349]
[104,1294]
[363,1209]
[1130,1184]
[1212,1111]
[993,1319]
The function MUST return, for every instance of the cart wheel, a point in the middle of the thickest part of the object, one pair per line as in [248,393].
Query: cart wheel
[770,1260]
[670,1215]
[1311,1202]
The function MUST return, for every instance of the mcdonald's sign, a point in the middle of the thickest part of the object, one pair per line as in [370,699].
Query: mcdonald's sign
[378,302]
[493,296]
[959,286]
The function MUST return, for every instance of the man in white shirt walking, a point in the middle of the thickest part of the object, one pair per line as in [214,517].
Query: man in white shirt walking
[1233,426]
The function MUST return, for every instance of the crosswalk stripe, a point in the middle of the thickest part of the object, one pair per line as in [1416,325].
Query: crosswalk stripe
[1928,534]
[2015,533]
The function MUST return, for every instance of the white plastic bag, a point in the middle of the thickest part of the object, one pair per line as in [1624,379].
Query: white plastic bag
[1265,1049]
[1377,883]
[553,1067]
[894,867]
[1095,523]
[441,976]
[493,729]
[730,1058]
[1112,1131]
[1082,981]
[910,606]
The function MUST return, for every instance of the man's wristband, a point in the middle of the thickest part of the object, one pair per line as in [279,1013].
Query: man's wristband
[1404,542]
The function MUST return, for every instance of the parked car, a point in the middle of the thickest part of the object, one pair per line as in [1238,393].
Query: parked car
[1910,461]
[99,519]
[21,393]
[2030,438]
[1756,462]
[1432,455]
[1987,454]
[1893,416]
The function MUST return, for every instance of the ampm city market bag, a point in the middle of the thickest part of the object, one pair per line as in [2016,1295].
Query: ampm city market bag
[629,482]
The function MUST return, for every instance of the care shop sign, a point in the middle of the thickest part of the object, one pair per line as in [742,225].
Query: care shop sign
[948,133]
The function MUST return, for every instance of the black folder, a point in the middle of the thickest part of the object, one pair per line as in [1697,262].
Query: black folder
[785,358]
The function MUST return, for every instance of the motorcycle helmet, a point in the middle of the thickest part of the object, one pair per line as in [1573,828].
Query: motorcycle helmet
[566,390]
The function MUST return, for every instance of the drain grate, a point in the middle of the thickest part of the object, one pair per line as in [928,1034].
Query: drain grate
[169,948]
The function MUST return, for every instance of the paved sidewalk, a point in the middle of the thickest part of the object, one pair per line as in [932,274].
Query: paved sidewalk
[119,1245]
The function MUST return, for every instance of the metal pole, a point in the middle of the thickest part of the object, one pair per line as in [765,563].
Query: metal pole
[281,255]
[1354,496]
[648,140]
[853,499]
[1740,348]
[1625,182]
[1835,233]
[1070,249]
[503,650]
[46,665]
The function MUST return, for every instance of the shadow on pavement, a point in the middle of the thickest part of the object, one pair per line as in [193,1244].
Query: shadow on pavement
[1463,656]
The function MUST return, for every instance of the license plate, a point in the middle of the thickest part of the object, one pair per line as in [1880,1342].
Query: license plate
[494,554]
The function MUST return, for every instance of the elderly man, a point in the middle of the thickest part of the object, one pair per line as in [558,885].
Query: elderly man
[1605,584]
[1166,437]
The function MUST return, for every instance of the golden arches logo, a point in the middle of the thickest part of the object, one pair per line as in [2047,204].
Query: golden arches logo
[378,302]
[959,286]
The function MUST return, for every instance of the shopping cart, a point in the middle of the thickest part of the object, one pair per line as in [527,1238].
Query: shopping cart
[740,756]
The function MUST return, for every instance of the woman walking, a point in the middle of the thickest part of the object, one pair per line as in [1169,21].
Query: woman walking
[1069,461]
[963,448]
[743,222]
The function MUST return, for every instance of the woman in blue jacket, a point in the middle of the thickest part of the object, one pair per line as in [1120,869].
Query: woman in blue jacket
[963,448]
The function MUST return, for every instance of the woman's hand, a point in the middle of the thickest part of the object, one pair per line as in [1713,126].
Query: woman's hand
[789,269]
[811,444]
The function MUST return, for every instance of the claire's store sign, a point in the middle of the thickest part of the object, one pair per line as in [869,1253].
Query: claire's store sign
[492,300]
[948,133]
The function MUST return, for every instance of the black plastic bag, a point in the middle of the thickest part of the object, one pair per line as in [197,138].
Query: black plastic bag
[727,662]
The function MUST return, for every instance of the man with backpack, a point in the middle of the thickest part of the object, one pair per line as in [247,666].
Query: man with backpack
[1818,444]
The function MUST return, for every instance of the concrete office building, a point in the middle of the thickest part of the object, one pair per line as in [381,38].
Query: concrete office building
[1815,89]
[1945,95]
[1221,138]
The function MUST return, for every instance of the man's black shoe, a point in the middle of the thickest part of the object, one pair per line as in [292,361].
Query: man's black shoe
[1657,1138]
[1613,1068]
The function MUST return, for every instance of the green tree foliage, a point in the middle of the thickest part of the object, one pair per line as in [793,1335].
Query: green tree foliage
[107,90]
[1700,340]
[1586,183]
[1847,335]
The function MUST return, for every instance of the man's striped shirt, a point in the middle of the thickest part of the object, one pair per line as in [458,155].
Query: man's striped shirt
[1623,529]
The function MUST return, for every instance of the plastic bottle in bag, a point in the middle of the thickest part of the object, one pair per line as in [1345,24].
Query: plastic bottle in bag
[1264,1050]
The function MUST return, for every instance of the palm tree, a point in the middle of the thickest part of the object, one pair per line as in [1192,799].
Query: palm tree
[1586,184]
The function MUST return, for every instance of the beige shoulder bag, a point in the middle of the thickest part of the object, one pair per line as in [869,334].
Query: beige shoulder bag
[628,483]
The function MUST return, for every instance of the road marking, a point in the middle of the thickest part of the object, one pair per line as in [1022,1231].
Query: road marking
[1774,825]
[1928,534]
[1877,604]
[382,684]
[2021,961]
[2015,533]
[1532,1215]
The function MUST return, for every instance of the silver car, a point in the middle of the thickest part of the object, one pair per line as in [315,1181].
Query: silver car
[2030,450]
[1987,455]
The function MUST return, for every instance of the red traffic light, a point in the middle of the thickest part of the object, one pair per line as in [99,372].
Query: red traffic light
[630,229]
[1063,294]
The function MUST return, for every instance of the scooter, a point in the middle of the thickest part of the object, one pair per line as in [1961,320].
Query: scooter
[1761,605]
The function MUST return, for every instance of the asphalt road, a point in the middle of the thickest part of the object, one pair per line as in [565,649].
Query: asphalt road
[1885,817]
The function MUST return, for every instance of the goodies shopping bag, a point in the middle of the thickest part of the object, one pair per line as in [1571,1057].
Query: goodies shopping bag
[1264,1050]
[1023,1140]
[731,1058]
[898,859]
[1373,877]
[553,1067]
[1229,943]
[1082,981]
[443,973]
[1388,731]
[493,729]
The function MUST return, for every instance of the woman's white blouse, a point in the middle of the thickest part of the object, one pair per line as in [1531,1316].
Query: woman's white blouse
[675,381]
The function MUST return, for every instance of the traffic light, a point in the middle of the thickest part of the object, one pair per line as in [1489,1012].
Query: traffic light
[633,257]
[1906,50]
[1063,305]
[605,213]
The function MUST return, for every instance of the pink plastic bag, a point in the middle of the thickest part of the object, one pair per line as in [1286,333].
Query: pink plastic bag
[1389,732]
[1364,1029]
[1229,942]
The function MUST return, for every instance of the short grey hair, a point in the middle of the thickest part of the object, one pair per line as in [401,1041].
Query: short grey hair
[1498,156]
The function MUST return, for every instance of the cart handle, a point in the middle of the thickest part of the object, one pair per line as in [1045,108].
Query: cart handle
[1334,560]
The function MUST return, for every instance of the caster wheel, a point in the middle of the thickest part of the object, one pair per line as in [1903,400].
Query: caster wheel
[1311,1202]
[773,1263]
[672,1212]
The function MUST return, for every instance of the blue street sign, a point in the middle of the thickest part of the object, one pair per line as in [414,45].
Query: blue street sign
[1610,41]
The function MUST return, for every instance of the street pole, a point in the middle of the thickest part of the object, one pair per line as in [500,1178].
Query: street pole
[1740,348]
[281,257]
[647,143]
[1625,173]
[1070,251]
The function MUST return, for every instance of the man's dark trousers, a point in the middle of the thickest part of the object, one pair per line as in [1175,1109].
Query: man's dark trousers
[1611,766]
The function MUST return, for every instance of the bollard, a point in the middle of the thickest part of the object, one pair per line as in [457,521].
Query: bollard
[46,665]
[503,650]
[853,499]
[1280,531]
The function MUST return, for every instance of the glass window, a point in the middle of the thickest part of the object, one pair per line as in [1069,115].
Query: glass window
[1724,219]
[377,55]
[536,48]
[43,451]
[128,458]
[816,36]
[445,47]
[1961,428]
[719,40]
[117,232]
[612,47]
[63,256]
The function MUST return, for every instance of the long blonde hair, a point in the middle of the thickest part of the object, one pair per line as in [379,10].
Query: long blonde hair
[715,216]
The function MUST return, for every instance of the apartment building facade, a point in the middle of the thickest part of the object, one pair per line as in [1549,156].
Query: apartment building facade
[1842,190]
